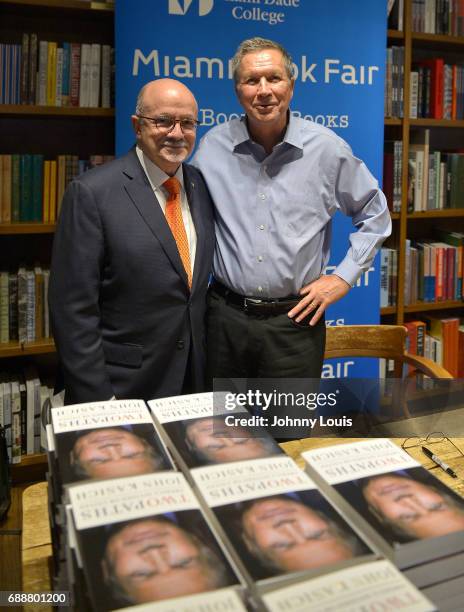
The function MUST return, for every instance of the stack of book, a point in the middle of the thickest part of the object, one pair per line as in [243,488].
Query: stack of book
[32,187]
[24,312]
[23,395]
[46,73]
[438,17]
[239,527]
[437,90]
[402,510]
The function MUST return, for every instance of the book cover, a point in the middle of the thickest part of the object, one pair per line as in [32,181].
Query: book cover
[276,520]
[409,514]
[106,440]
[199,431]
[368,586]
[145,539]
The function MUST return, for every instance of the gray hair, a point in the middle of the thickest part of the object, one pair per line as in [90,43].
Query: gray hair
[252,45]
[139,106]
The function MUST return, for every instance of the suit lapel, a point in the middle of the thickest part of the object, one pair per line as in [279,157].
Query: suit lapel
[140,192]
[191,190]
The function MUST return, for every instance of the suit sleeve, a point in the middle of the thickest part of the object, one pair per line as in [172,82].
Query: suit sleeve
[75,280]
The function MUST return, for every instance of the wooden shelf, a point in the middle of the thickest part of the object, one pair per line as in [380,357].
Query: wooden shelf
[31,468]
[59,111]
[27,228]
[446,123]
[395,34]
[393,121]
[387,310]
[64,4]
[395,216]
[14,349]
[428,214]
[419,306]
[438,41]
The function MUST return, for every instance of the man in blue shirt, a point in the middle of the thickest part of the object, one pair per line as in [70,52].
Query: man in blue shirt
[277,181]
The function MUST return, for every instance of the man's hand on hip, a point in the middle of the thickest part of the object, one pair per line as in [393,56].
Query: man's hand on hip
[317,296]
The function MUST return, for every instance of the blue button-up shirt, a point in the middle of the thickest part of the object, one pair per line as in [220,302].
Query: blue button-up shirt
[274,212]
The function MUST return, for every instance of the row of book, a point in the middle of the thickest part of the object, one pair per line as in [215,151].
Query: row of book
[440,339]
[438,17]
[32,187]
[395,14]
[436,90]
[435,178]
[198,506]
[24,312]
[434,269]
[392,173]
[48,73]
[394,82]
[22,397]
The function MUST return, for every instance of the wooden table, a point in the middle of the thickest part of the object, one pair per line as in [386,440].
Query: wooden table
[36,545]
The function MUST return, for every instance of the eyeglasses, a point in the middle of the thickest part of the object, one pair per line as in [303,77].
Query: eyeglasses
[432,438]
[167,123]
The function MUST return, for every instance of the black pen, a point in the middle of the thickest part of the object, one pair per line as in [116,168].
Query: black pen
[444,466]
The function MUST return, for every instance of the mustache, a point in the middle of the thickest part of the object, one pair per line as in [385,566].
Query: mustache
[175,142]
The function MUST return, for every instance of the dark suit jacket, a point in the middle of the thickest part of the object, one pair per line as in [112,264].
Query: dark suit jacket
[123,318]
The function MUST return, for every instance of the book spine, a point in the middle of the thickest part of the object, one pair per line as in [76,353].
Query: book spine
[4,309]
[13,306]
[25,162]
[59,76]
[51,74]
[22,305]
[75,73]
[37,187]
[15,188]
[32,79]
[42,73]
[84,85]
[6,189]
[25,58]
[66,75]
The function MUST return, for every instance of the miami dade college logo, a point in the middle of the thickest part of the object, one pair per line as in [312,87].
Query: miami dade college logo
[180,7]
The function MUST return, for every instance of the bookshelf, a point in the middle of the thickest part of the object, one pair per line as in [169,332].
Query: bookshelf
[445,134]
[50,131]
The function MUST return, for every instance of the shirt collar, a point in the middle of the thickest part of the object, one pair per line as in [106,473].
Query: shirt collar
[292,134]
[155,175]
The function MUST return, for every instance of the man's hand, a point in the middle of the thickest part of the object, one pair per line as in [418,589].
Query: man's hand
[317,296]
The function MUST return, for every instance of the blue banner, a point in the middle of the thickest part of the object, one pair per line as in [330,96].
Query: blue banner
[338,48]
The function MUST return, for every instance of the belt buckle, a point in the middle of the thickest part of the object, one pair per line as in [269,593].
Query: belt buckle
[250,301]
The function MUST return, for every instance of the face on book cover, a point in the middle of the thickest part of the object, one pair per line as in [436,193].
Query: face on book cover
[412,508]
[215,442]
[288,536]
[154,559]
[110,451]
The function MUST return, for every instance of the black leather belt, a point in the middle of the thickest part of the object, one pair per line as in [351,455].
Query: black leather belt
[255,305]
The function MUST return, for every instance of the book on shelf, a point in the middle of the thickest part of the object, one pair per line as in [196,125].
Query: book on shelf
[438,17]
[394,82]
[25,305]
[408,514]
[146,539]
[50,73]
[377,585]
[33,187]
[392,177]
[446,329]
[395,12]
[388,276]
[100,440]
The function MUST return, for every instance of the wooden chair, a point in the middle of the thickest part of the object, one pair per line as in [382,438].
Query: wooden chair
[388,341]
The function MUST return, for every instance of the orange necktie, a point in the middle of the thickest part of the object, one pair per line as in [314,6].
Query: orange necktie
[176,223]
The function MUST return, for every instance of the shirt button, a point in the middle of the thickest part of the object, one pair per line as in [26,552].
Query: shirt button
[180,344]
[261,227]
[262,196]
[260,258]
[260,289]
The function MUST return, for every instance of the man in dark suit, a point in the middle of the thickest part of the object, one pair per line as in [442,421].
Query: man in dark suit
[131,259]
